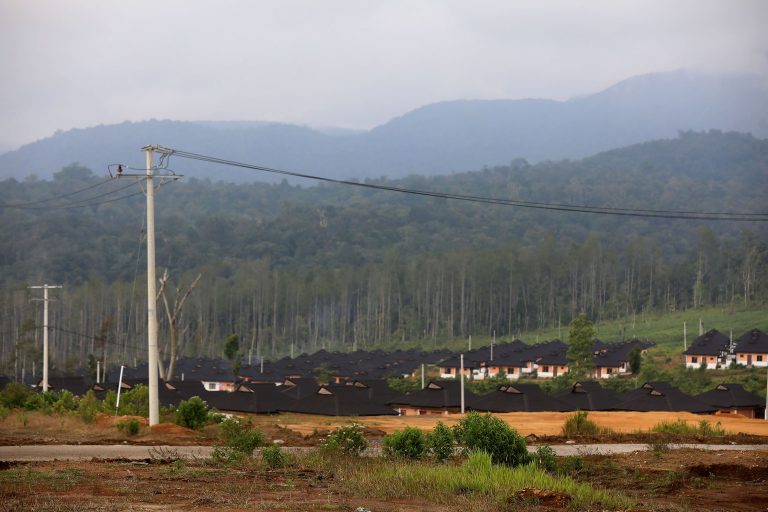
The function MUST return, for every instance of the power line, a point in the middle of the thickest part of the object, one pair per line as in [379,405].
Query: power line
[54,198]
[602,210]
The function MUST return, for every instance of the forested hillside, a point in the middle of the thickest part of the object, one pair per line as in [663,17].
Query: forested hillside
[342,267]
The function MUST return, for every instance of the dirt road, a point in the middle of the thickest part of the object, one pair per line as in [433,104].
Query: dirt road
[31,453]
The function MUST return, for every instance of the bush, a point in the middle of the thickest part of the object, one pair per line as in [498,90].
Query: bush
[545,458]
[64,402]
[192,413]
[579,425]
[492,435]
[39,402]
[130,427]
[440,442]
[239,440]
[135,402]
[274,456]
[14,394]
[347,440]
[88,407]
[410,443]
[570,465]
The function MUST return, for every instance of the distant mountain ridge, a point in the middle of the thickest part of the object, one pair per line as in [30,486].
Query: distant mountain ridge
[435,139]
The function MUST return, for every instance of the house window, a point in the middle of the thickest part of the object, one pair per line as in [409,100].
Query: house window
[545,369]
[759,358]
[609,371]
[213,386]
[694,359]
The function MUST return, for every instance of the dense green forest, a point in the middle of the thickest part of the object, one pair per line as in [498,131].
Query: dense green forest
[298,266]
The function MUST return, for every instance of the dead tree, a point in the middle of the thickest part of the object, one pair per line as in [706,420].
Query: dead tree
[173,314]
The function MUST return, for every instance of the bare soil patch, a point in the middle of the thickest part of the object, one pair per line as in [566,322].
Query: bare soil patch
[21,428]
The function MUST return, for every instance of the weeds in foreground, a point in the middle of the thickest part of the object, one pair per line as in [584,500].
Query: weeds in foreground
[239,440]
[57,480]
[682,428]
[477,478]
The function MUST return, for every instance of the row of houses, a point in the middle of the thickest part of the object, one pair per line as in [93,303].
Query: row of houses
[438,397]
[543,360]
[715,350]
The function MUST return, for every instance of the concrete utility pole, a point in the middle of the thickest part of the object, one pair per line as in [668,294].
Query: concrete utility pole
[685,337]
[152,355]
[493,342]
[45,299]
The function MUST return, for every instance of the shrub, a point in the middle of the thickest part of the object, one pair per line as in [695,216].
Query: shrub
[410,443]
[14,395]
[192,413]
[579,425]
[64,402]
[274,456]
[239,440]
[39,402]
[348,440]
[440,442]
[492,435]
[130,427]
[545,458]
[135,402]
[570,465]
[88,406]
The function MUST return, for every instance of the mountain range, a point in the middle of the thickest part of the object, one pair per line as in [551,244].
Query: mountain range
[440,138]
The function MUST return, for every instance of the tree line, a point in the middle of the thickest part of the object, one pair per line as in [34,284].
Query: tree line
[293,268]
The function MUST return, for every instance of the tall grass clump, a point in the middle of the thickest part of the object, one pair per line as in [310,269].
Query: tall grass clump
[682,428]
[492,435]
[578,424]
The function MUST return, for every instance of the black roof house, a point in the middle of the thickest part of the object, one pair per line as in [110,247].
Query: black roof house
[519,398]
[662,396]
[339,401]
[753,342]
[590,396]
[438,394]
[711,343]
[78,386]
[730,396]
[298,388]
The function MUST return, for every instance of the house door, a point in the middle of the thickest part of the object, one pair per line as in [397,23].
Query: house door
[554,371]
[749,359]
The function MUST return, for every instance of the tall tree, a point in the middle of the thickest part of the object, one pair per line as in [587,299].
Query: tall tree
[580,339]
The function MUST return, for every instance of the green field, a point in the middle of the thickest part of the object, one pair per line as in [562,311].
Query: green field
[666,329]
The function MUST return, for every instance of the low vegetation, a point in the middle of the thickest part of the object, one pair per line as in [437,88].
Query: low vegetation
[477,478]
[347,440]
[579,424]
[490,434]
[683,428]
[238,439]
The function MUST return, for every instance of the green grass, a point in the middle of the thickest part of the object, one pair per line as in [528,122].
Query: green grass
[666,329]
[681,427]
[476,480]
[57,480]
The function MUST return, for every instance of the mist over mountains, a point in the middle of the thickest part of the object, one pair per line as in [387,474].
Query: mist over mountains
[435,139]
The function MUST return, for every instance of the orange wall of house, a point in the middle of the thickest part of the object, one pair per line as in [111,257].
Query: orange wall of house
[742,356]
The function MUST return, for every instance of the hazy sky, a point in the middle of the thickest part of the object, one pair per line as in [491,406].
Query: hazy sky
[348,63]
